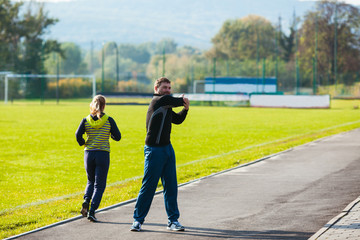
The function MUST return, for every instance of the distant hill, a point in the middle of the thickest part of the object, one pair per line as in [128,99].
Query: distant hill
[188,22]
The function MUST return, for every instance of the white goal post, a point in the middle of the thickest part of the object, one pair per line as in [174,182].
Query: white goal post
[11,75]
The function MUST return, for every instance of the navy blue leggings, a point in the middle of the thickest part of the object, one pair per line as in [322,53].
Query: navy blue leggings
[97,166]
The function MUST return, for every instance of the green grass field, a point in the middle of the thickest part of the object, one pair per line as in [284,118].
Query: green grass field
[42,176]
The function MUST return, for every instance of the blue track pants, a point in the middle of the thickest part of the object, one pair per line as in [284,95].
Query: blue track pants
[159,163]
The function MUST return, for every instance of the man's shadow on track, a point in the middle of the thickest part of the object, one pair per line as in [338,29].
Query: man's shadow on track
[221,233]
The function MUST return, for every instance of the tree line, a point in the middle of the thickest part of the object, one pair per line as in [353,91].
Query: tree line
[325,48]
[322,47]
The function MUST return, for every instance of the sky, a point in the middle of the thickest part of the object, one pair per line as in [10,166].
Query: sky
[187,22]
[353,2]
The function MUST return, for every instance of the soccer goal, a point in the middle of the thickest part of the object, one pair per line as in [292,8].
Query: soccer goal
[62,82]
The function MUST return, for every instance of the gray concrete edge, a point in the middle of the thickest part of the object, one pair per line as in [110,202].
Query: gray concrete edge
[336,219]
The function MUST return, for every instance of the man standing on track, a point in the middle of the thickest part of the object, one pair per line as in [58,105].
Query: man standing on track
[160,156]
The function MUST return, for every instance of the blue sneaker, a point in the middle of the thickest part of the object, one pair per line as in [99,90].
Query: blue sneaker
[136,227]
[175,226]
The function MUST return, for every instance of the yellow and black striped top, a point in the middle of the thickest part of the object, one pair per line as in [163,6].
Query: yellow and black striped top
[98,133]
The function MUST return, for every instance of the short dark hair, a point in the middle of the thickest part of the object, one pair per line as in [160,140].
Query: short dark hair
[159,81]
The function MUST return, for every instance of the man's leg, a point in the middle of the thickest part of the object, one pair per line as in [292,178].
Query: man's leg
[154,161]
[169,182]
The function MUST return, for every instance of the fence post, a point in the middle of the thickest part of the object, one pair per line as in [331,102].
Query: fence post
[6,89]
[94,86]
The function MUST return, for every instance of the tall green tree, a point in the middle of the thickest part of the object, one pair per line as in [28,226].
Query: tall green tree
[69,62]
[10,34]
[35,22]
[137,54]
[287,43]
[73,61]
[22,44]
[331,18]
[251,37]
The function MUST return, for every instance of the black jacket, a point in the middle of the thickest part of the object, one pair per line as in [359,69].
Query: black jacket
[159,118]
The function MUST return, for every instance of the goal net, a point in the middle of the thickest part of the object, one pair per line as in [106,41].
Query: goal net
[45,86]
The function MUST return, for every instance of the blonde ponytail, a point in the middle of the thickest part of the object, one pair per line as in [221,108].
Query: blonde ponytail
[97,105]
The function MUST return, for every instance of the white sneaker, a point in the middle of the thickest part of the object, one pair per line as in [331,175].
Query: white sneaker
[136,227]
[175,226]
